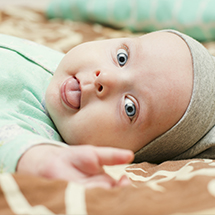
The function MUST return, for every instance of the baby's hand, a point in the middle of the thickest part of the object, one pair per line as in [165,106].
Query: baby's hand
[81,164]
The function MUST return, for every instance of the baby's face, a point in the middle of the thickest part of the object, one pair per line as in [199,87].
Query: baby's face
[121,92]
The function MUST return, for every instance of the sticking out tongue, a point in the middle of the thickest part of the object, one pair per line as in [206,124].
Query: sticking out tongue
[71,93]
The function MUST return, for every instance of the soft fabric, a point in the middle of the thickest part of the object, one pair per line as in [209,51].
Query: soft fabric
[194,17]
[174,187]
[194,133]
[25,71]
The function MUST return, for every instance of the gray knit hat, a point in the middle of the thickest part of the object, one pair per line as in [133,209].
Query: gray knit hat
[194,134]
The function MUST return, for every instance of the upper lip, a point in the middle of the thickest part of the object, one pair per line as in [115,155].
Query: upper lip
[85,87]
[80,90]
[78,82]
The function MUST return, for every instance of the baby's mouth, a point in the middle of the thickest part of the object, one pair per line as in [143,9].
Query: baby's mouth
[71,93]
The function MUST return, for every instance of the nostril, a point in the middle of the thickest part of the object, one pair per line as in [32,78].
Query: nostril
[97,73]
[100,88]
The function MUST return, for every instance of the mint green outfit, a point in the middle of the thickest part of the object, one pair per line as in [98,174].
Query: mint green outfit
[25,72]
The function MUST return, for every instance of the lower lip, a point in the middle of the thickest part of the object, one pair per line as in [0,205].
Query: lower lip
[71,93]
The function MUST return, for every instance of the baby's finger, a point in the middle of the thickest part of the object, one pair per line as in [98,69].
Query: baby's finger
[102,181]
[124,181]
[90,159]
[113,156]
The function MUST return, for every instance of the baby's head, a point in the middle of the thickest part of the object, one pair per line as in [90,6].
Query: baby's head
[126,93]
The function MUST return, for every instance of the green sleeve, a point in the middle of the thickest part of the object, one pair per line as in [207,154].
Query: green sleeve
[26,69]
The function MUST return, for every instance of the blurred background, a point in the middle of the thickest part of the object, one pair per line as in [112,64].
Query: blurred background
[28,19]
[39,4]
[63,24]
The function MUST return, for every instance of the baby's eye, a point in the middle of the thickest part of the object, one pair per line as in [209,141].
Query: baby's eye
[130,108]
[122,57]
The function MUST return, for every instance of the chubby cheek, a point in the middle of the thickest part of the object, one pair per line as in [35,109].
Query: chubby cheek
[98,131]
[101,133]
[91,126]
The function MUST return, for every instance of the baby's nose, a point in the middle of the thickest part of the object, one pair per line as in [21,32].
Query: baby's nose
[104,83]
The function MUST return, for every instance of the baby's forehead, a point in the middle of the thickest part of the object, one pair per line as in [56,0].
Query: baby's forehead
[164,38]
[163,46]
[160,38]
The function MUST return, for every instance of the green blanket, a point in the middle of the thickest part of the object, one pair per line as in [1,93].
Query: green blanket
[193,17]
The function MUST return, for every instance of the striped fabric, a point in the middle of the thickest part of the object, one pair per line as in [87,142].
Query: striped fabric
[173,187]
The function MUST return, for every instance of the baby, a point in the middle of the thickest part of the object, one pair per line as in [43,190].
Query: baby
[122,92]
[152,95]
